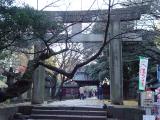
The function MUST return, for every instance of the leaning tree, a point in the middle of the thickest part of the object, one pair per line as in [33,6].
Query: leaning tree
[24,26]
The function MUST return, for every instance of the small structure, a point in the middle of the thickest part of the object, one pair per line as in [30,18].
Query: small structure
[80,79]
[83,79]
[70,89]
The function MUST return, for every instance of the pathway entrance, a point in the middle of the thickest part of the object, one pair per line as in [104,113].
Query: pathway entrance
[117,16]
[88,102]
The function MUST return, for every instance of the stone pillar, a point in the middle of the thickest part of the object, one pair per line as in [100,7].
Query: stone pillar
[76,28]
[38,81]
[38,85]
[116,84]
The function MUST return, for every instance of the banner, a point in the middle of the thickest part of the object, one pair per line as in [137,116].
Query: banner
[143,65]
[158,72]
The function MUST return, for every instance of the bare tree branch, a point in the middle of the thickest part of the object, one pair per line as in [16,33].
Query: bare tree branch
[71,74]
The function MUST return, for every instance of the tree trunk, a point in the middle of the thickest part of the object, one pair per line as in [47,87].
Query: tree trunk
[53,83]
[60,90]
[53,88]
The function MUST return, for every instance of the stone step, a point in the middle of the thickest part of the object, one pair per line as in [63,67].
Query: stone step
[20,116]
[45,119]
[69,112]
[67,117]
[67,108]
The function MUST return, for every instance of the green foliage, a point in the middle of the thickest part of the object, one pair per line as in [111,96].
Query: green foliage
[21,25]
[4,54]
[130,69]
[6,2]
[157,41]
[99,70]
[4,57]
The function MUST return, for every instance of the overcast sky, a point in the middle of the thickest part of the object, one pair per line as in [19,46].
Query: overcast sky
[63,5]
[66,4]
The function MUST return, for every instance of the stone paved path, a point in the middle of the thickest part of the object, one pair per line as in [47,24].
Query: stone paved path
[89,102]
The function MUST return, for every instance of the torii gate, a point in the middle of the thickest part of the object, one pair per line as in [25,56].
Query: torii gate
[117,15]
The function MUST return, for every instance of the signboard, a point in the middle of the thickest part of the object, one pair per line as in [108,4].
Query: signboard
[147,98]
[158,72]
[149,117]
[143,65]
